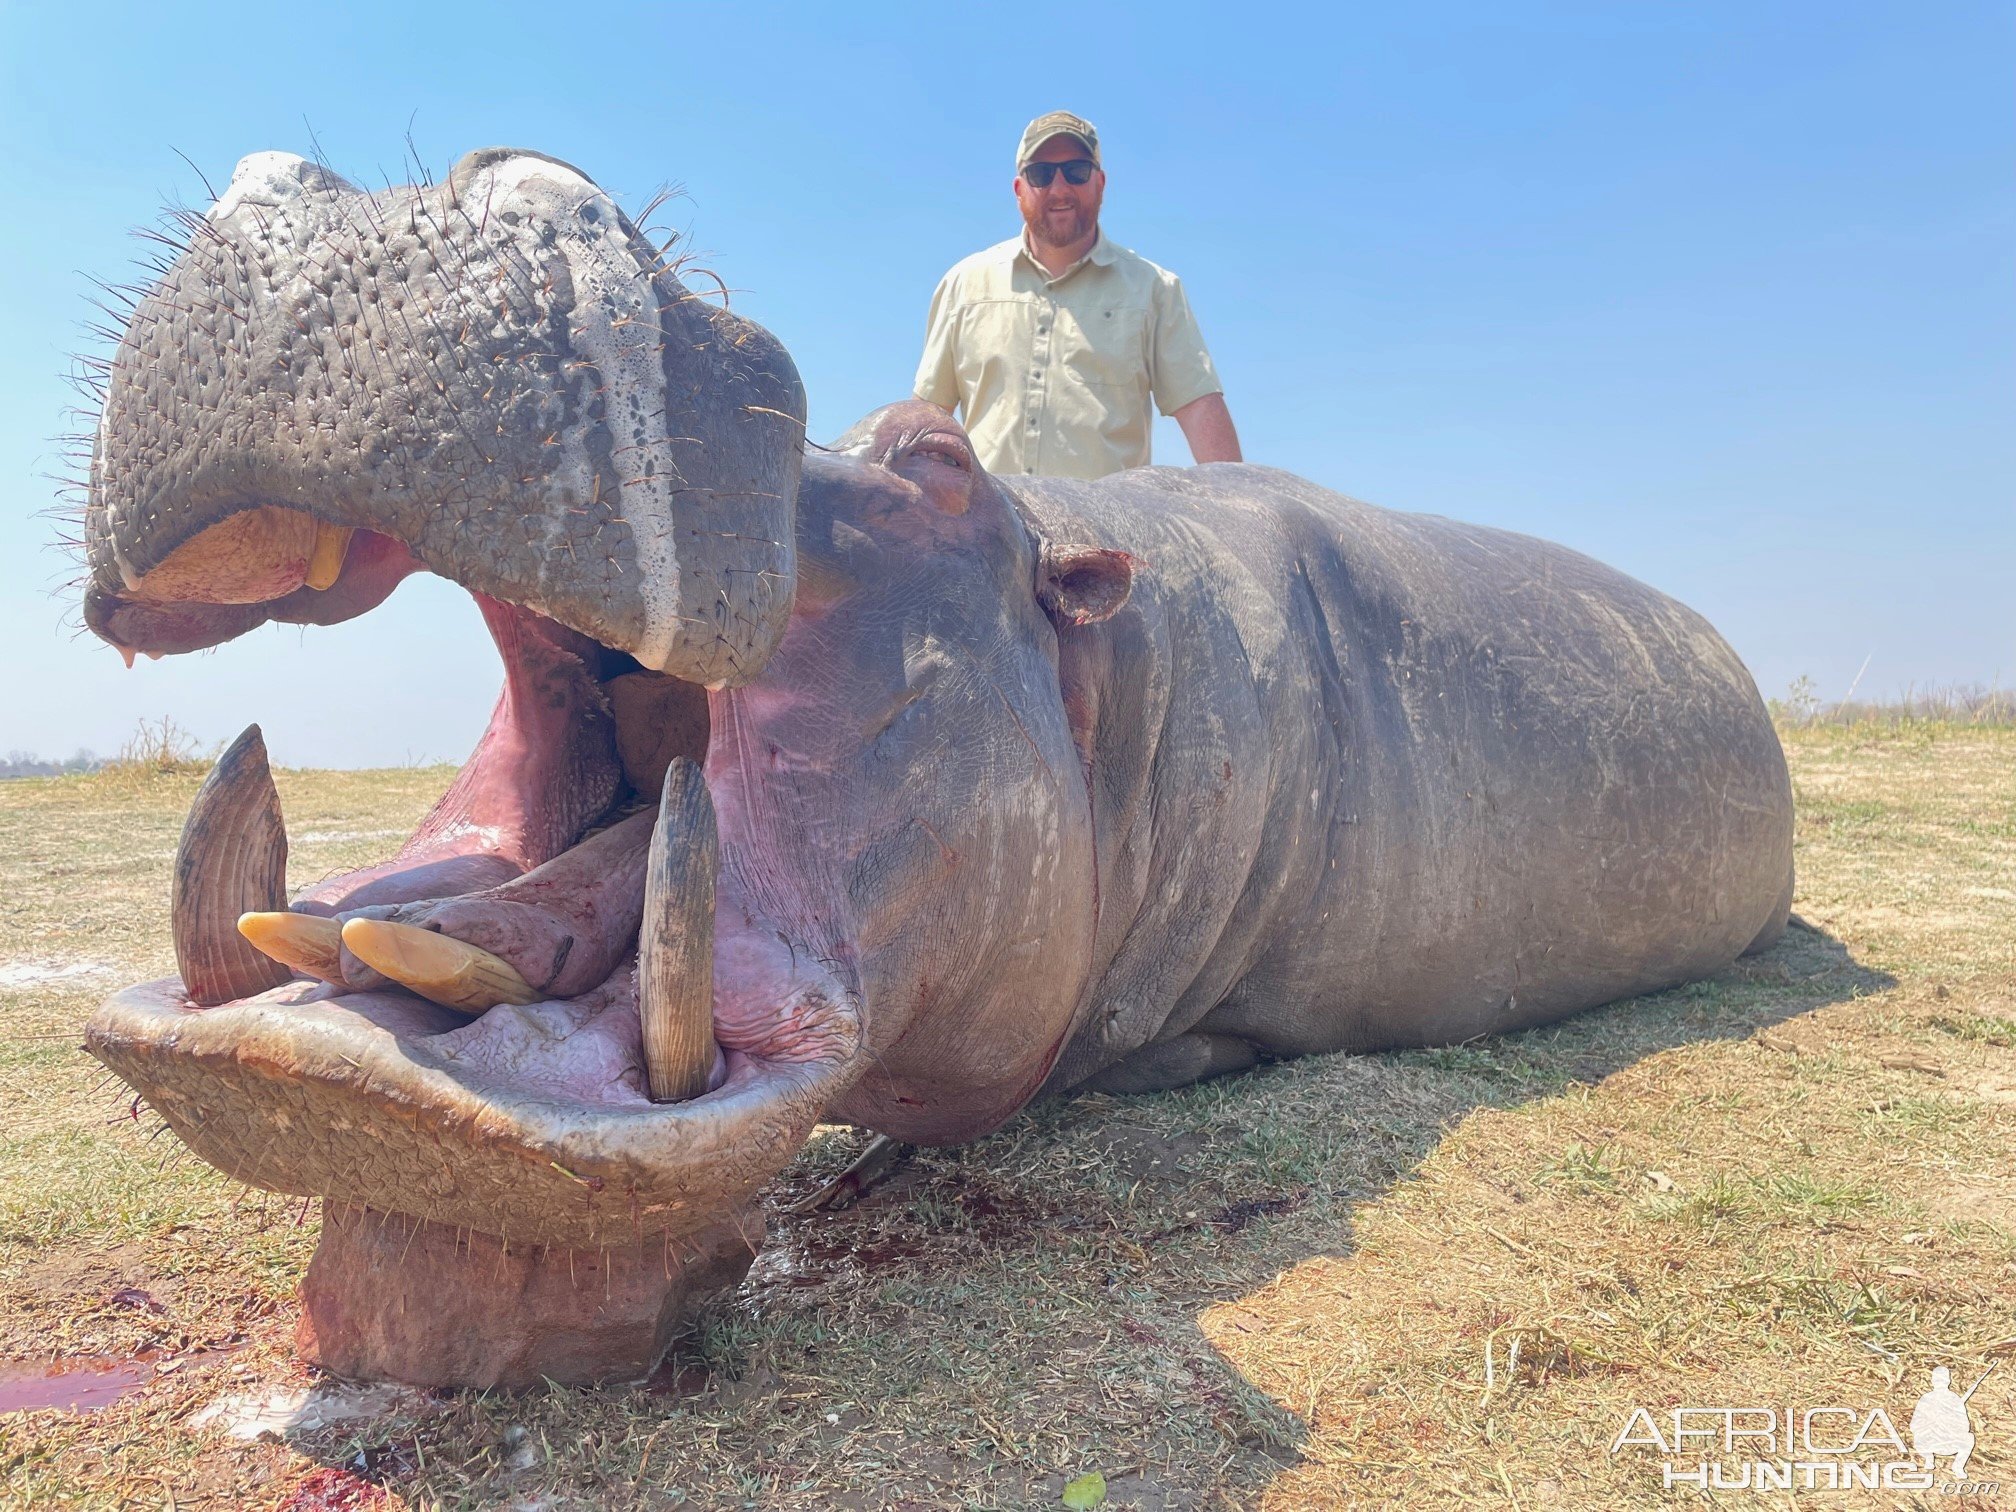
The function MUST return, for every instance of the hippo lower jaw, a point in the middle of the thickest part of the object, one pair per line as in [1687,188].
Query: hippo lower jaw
[479,1229]
[529,1123]
[526,1137]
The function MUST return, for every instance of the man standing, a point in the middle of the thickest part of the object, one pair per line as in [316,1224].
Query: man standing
[1052,343]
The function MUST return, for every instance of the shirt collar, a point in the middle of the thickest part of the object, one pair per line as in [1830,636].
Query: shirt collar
[1102,253]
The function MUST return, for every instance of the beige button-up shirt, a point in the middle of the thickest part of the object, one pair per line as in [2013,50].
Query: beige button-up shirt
[1054,375]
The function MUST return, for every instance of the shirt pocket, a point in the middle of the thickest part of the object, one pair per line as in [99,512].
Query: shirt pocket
[994,341]
[1105,347]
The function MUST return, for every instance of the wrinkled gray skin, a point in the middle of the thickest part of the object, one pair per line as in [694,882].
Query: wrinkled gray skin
[1046,784]
[1366,779]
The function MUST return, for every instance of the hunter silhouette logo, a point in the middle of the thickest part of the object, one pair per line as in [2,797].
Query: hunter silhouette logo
[1817,1448]
[1939,1423]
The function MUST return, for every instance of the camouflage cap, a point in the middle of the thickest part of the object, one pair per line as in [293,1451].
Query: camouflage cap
[1056,123]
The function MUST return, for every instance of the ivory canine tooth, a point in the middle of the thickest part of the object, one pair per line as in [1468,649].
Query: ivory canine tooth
[232,860]
[675,949]
[306,942]
[439,967]
[325,562]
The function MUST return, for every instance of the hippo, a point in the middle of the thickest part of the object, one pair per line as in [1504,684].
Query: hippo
[827,783]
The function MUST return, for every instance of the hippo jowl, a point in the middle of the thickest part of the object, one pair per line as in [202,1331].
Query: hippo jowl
[846,783]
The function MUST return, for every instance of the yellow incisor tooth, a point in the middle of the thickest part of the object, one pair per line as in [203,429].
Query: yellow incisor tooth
[439,967]
[325,564]
[307,942]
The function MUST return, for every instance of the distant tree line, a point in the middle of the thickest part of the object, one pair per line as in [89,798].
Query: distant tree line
[28,764]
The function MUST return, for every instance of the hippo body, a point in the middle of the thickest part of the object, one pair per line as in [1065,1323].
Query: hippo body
[1366,779]
[825,783]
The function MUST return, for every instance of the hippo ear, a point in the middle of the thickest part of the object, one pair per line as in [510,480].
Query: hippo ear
[1081,585]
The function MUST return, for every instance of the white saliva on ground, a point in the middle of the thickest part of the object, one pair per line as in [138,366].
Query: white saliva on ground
[287,1410]
[42,973]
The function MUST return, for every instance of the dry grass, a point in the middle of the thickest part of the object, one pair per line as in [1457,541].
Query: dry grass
[156,749]
[1443,1278]
[1982,706]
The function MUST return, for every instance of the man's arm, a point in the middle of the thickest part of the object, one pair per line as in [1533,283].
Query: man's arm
[1207,426]
[1181,370]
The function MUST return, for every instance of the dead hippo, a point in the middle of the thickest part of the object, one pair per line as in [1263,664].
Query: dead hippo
[825,784]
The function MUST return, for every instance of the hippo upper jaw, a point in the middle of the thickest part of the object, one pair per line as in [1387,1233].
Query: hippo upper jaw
[494,377]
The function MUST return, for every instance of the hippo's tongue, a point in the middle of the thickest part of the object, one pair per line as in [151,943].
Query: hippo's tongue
[560,928]
[645,884]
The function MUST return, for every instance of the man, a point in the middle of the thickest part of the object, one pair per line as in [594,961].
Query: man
[1053,342]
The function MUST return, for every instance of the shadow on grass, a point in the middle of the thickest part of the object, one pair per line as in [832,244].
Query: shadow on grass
[995,1318]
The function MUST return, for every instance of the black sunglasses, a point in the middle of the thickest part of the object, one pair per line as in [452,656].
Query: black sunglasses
[1077,171]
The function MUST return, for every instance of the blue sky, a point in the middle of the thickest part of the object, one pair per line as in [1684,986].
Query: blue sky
[1723,294]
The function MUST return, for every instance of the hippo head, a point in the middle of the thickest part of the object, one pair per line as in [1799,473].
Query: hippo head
[728,859]
[908,760]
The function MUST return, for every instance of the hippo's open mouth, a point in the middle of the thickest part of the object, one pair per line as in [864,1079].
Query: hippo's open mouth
[525,1108]
[584,1002]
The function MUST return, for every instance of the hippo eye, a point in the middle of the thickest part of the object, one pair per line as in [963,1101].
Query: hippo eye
[949,450]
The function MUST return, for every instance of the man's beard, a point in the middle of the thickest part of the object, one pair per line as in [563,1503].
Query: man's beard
[1073,230]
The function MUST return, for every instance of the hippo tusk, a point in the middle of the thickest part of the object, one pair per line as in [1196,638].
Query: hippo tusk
[232,860]
[308,943]
[325,562]
[439,967]
[675,950]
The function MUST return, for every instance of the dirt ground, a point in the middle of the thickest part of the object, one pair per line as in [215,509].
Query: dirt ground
[1443,1278]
